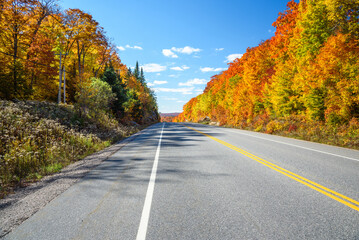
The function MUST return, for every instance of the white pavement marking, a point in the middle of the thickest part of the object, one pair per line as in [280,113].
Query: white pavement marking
[336,155]
[142,230]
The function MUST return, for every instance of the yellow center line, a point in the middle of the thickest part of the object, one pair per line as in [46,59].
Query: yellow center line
[324,190]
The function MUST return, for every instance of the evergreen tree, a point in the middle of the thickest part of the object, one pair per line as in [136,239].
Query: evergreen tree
[142,77]
[136,72]
[118,89]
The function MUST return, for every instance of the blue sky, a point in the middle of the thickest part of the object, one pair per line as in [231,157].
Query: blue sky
[181,44]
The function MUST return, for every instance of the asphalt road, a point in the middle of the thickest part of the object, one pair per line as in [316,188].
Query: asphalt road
[194,181]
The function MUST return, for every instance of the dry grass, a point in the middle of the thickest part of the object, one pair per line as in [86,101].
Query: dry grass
[343,135]
[39,138]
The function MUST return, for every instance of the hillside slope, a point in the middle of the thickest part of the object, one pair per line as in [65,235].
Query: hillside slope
[40,138]
[303,82]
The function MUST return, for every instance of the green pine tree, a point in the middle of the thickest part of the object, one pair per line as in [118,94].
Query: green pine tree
[136,72]
[118,88]
[142,77]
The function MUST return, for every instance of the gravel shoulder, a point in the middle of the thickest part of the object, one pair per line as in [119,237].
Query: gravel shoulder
[17,207]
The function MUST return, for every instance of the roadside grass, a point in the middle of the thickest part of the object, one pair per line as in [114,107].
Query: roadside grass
[39,138]
[339,134]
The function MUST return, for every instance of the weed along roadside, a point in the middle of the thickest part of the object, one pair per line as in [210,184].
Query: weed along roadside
[341,135]
[39,139]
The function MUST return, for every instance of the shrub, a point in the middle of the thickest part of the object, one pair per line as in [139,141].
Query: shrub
[38,138]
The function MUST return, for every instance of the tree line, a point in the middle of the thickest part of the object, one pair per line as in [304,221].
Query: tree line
[36,35]
[308,70]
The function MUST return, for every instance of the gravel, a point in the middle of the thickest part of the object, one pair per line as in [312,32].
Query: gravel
[17,207]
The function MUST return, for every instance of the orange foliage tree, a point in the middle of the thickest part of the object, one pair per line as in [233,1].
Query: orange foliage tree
[34,32]
[308,69]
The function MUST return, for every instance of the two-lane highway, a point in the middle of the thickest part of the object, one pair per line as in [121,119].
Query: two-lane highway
[191,181]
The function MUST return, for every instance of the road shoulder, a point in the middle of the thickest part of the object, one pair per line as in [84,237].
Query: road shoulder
[25,202]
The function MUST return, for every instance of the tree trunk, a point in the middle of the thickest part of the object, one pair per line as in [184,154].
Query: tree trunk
[15,46]
[79,60]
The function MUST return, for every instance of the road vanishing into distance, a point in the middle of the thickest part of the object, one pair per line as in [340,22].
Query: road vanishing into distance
[191,181]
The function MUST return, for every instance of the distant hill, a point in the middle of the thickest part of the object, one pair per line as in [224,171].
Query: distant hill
[168,117]
[169,114]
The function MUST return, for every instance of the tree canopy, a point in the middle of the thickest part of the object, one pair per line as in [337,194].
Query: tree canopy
[33,33]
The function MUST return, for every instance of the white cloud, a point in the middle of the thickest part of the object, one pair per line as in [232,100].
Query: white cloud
[173,76]
[198,90]
[180,101]
[169,53]
[186,50]
[219,49]
[209,69]
[156,82]
[177,68]
[195,81]
[159,82]
[121,48]
[153,67]
[175,90]
[158,74]
[231,57]
[184,67]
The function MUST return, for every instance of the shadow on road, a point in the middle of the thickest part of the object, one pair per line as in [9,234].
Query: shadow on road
[132,165]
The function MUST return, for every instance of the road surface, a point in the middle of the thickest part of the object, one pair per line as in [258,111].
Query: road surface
[191,181]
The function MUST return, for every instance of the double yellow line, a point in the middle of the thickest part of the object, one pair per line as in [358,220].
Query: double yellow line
[324,190]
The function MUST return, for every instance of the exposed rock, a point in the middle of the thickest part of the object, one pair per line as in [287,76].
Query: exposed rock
[214,123]
[205,120]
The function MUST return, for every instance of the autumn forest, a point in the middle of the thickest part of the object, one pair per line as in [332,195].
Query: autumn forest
[302,81]
[36,36]
[64,92]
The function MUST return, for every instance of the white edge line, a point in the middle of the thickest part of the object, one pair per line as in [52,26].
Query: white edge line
[336,155]
[142,229]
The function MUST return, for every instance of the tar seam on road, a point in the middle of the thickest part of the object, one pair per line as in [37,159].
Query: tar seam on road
[324,190]
[293,145]
[142,230]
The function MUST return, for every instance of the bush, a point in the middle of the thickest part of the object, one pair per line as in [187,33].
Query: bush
[38,138]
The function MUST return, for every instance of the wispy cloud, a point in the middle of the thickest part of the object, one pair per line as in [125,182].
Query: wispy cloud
[134,47]
[175,90]
[195,81]
[169,53]
[170,99]
[219,49]
[182,68]
[121,48]
[198,90]
[156,83]
[173,76]
[153,67]
[231,57]
[209,69]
